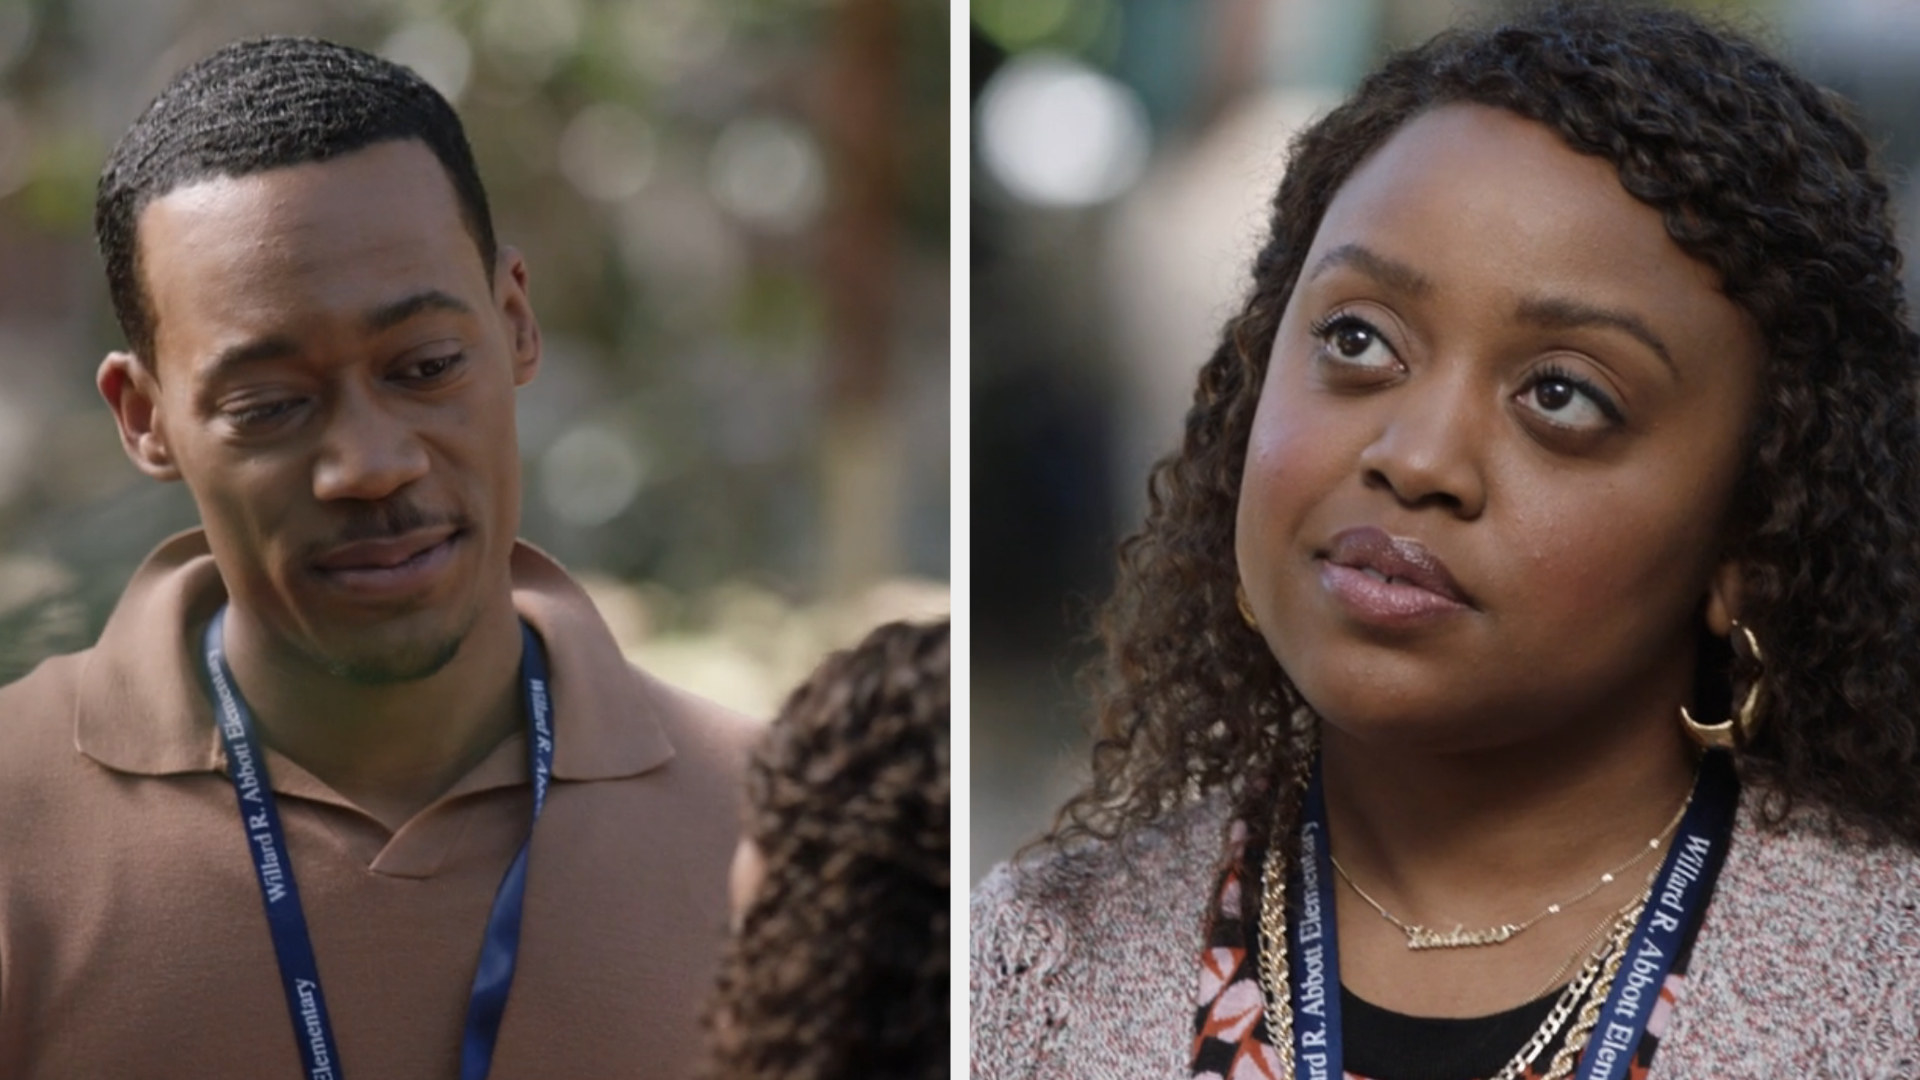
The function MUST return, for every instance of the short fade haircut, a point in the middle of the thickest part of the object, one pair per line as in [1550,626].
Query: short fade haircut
[264,104]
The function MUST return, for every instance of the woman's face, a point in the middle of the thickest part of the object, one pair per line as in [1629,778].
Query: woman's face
[1496,445]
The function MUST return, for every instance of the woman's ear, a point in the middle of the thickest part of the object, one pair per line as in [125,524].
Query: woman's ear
[1723,597]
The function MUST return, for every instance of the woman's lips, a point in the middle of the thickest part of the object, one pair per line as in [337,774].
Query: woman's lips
[1391,580]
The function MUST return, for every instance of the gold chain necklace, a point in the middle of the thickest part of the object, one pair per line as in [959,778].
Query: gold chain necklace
[1600,965]
[1424,937]
[1274,975]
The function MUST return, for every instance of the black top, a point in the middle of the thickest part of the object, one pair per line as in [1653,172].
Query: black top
[1394,1046]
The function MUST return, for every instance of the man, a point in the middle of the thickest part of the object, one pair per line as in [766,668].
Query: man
[276,822]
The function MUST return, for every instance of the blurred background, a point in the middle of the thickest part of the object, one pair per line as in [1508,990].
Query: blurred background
[735,217]
[1122,154]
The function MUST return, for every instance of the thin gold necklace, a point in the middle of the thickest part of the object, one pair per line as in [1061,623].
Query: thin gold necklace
[1594,938]
[1424,937]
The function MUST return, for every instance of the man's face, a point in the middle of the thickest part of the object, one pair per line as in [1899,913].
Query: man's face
[333,377]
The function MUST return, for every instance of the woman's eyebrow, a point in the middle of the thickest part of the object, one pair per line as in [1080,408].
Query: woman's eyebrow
[1389,272]
[1552,312]
[1559,313]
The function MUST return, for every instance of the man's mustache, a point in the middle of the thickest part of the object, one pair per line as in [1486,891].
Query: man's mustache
[384,521]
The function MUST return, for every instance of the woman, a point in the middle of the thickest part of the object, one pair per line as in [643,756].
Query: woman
[1573,391]
[838,967]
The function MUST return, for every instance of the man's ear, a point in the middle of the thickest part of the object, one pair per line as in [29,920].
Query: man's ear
[133,394]
[1723,597]
[510,292]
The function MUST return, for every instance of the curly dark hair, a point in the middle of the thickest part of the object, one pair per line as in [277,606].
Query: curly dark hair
[839,967]
[1758,174]
[266,104]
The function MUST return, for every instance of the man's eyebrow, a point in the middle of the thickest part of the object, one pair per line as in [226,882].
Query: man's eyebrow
[1394,274]
[388,316]
[1558,313]
[228,359]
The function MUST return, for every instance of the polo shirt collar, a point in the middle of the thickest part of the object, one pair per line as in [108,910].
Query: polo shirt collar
[142,708]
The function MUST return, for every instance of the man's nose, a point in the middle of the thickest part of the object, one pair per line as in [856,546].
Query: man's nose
[369,450]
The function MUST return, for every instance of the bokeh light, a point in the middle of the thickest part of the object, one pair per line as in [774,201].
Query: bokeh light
[766,171]
[590,475]
[1056,133]
[607,151]
[435,49]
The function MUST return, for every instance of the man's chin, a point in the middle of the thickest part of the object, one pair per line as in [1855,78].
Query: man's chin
[397,663]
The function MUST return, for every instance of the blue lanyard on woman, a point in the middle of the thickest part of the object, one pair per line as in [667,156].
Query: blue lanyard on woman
[267,842]
[1680,892]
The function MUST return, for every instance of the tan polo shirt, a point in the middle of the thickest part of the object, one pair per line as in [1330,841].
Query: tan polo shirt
[133,942]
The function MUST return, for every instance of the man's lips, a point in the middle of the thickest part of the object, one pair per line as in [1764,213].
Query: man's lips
[383,554]
[1395,561]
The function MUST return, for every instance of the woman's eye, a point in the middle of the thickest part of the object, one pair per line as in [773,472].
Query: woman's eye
[1570,402]
[1353,341]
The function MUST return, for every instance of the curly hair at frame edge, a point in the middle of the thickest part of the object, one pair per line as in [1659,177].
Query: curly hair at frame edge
[839,963]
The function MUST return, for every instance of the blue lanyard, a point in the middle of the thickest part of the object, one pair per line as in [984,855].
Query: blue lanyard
[1679,899]
[1680,893]
[1315,945]
[292,945]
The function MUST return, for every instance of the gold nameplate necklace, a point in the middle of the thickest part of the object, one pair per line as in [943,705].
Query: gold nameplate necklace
[1426,937]
[1586,993]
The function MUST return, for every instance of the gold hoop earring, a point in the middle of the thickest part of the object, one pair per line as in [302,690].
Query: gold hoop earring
[1738,729]
[1246,609]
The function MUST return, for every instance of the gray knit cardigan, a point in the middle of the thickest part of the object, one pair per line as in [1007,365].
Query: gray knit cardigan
[1086,964]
